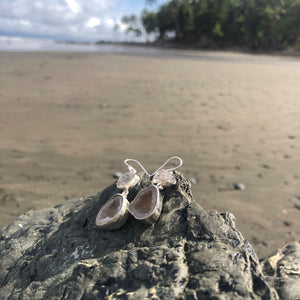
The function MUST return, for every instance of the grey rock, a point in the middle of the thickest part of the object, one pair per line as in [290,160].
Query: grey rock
[265,166]
[239,186]
[223,127]
[189,253]
[117,175]
[193,180]
[282,270]
[103,106]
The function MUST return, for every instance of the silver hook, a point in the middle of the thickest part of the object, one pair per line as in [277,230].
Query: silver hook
[171,169]
[130,168]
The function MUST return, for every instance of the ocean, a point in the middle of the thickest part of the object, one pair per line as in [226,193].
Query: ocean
[20,44]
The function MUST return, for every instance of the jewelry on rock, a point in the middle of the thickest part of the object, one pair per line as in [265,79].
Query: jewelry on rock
[147,204]
[114,213]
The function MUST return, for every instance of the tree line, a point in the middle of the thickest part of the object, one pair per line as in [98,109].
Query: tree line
[255,24]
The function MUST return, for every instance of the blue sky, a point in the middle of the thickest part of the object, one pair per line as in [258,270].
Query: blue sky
[80,20]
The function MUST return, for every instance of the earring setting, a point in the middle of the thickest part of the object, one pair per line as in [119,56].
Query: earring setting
[114,213]
[147,204]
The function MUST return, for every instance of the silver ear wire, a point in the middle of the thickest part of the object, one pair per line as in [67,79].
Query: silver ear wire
[130,168]
[147,204]
[171,169]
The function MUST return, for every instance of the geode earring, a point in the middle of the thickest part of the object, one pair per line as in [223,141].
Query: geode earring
[147,204]
[114,213]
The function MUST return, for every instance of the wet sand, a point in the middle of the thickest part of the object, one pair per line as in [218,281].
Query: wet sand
[68,120]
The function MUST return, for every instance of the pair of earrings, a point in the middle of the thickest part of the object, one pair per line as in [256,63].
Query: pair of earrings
[147,204]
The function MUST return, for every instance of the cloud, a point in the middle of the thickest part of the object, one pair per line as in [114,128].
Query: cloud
[64,19]
[109,23]
[73,5]
[93,22]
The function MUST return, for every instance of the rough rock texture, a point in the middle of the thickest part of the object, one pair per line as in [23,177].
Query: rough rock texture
[190,253]
[283,271]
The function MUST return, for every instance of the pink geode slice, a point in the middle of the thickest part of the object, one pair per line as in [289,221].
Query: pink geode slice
[164,177]
[113,214]
[147,205]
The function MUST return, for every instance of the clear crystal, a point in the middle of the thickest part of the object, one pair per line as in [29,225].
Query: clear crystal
[164,177]
[126,180]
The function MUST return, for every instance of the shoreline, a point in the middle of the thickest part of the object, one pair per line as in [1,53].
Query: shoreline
[171,54]
[178,46]
[152,49]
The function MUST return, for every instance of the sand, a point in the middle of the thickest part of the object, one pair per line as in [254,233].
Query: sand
[68,120]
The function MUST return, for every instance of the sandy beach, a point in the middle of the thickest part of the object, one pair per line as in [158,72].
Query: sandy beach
[68,120]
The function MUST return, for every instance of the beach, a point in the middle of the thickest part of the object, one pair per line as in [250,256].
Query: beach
[68,121]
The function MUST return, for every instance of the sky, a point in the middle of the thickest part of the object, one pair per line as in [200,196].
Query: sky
[76,20]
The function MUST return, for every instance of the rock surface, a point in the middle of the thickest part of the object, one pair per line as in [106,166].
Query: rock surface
[190,253]
[283,271]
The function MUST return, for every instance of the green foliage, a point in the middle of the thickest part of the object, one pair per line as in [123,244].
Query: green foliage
[185,22]
[132,24]
[167,18]
[268,24]
[129,20]
[149,21]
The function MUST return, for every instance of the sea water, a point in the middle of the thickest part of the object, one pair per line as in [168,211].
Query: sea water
[21,44]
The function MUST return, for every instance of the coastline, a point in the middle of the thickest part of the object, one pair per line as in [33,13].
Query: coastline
[180,46]
[153,49]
